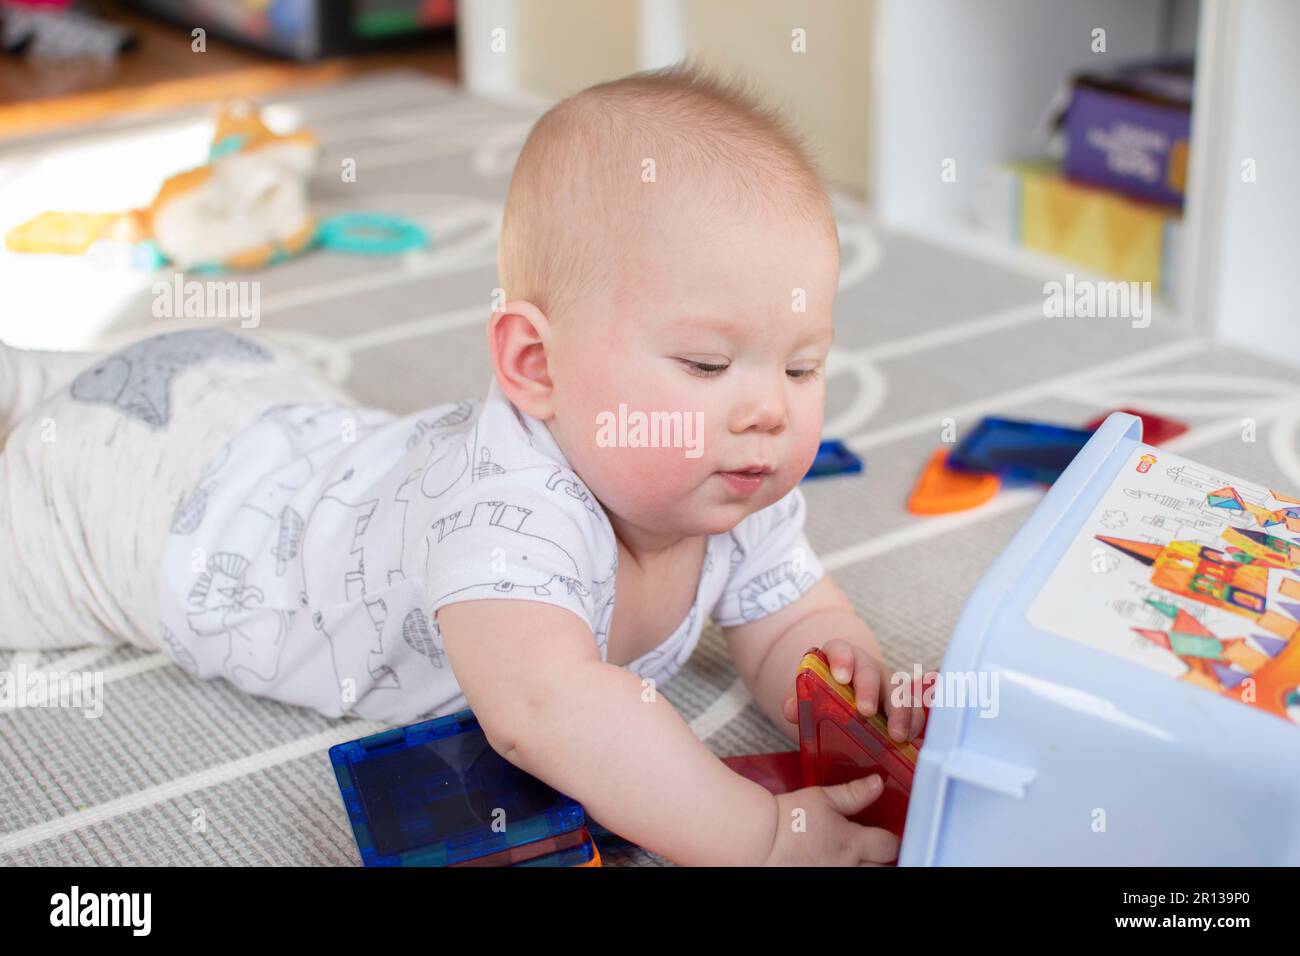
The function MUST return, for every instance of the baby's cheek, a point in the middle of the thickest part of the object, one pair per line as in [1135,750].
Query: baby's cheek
[805,435]
[805,451]
[654,477]
[644,484]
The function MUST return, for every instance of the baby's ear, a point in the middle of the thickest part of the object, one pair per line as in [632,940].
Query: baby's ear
[518,335]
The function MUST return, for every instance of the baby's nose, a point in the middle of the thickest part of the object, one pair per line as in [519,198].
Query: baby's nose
[764,413]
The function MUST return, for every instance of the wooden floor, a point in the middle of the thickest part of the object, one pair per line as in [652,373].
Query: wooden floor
[162,71]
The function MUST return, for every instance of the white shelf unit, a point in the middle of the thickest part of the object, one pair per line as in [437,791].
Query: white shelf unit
[970,84]
[971,80]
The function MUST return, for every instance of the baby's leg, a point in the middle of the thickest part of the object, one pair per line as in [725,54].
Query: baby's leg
[27,376]
[36,567]
[42,584]
[92,476]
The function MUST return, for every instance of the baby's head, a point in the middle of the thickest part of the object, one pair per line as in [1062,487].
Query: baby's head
[668,247]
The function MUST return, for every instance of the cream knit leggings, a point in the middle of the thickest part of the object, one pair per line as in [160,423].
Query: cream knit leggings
[97,451]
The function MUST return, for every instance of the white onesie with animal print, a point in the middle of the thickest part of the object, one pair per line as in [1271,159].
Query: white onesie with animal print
[308,560]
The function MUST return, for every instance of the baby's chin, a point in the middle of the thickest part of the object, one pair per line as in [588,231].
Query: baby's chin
[726,519]
[708,519]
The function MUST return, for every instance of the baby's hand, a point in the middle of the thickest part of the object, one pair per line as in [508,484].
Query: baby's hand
[851,664]
[812,828]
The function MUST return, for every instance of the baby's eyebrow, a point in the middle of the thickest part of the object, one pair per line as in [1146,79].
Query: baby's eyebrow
[732,326]
[716,321]
[819,335]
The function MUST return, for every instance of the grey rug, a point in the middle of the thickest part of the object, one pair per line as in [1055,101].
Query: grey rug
[183,772]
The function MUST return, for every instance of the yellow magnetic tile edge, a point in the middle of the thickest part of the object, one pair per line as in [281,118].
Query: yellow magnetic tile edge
[811,662]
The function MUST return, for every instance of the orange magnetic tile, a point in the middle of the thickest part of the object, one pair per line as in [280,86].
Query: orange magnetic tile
[940,490]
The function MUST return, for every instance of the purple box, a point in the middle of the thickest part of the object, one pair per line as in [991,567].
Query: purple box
[1129,130]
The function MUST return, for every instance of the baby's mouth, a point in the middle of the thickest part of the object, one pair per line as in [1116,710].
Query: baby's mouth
[746,481]
[752,471]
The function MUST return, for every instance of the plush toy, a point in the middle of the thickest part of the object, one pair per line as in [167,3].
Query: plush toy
[245,208]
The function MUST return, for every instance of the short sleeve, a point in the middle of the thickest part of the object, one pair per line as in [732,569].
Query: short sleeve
[772,563]
[503,538]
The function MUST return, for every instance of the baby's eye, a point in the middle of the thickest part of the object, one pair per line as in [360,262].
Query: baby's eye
[800,374]
[703,369]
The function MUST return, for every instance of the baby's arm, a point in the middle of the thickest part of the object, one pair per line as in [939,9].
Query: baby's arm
[546,701]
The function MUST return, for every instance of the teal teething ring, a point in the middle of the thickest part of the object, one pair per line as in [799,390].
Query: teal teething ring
[371,234]
[231,144]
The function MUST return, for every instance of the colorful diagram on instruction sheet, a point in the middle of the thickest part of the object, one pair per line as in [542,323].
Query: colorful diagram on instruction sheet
[1189,572]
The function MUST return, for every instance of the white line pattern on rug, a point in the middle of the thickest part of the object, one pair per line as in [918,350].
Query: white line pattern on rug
[182,786]
[722,711]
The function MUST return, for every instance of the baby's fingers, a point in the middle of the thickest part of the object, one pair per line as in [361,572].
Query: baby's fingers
[917,723]
[790,710]
[842,658]
[855,796]
[899,721]
[866,684]
[876,847]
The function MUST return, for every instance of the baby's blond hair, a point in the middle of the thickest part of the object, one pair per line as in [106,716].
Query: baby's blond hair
[581,193]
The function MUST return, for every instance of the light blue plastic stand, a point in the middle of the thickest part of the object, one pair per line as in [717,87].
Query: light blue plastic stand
[1091,760]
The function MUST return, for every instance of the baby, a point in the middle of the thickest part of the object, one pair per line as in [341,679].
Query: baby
[668,248]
